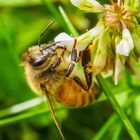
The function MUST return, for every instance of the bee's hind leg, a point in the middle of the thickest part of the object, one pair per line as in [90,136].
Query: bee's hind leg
[80,83]
[88,77]
[86,58]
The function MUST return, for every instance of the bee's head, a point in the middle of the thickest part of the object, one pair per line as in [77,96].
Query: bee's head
[38,57]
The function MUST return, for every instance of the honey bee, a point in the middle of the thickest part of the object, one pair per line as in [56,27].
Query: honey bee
[39,69]
[53,71]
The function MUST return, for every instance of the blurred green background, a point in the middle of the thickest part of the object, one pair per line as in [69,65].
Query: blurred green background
[21,22]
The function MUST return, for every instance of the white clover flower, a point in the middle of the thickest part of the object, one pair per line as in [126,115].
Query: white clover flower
[88,5]
[115,38]
[101,57]
[102,52]
[86,38]
[126,44]
[99,62]
[65,40]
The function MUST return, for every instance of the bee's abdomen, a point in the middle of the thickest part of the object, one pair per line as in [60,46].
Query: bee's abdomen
[72,95]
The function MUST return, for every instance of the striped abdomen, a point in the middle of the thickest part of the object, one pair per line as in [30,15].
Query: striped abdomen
[72,95]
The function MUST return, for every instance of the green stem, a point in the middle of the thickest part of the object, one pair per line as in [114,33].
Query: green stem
[56,15]
[112,120]
[133,134]
[23,116]
[21,107]
[69,25]
[106,126]
[68,22]
[117,132]
[17,118]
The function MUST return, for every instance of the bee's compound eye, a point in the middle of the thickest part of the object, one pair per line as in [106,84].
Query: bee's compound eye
[38,61]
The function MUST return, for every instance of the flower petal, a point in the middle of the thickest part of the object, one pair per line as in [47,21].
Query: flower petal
[64,39]
[122,48]
[88,5]
[99,62]
[101,55]
[86,38]
[126,44]
[119,67]
[127,36]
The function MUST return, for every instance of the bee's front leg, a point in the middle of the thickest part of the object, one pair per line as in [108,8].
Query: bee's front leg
[56,64]
[59,60]
[73,61]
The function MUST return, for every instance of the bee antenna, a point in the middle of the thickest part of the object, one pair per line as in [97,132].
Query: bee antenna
[48,26]
[54,116]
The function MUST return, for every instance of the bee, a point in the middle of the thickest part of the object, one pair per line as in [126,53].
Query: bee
[49,71]
[39,63]
[41,76]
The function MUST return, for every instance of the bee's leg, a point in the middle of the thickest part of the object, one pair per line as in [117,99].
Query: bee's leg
[72,64]
[88,77]
[86,58]
[80,83]
[59,60]
[56,64]
[73,60]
